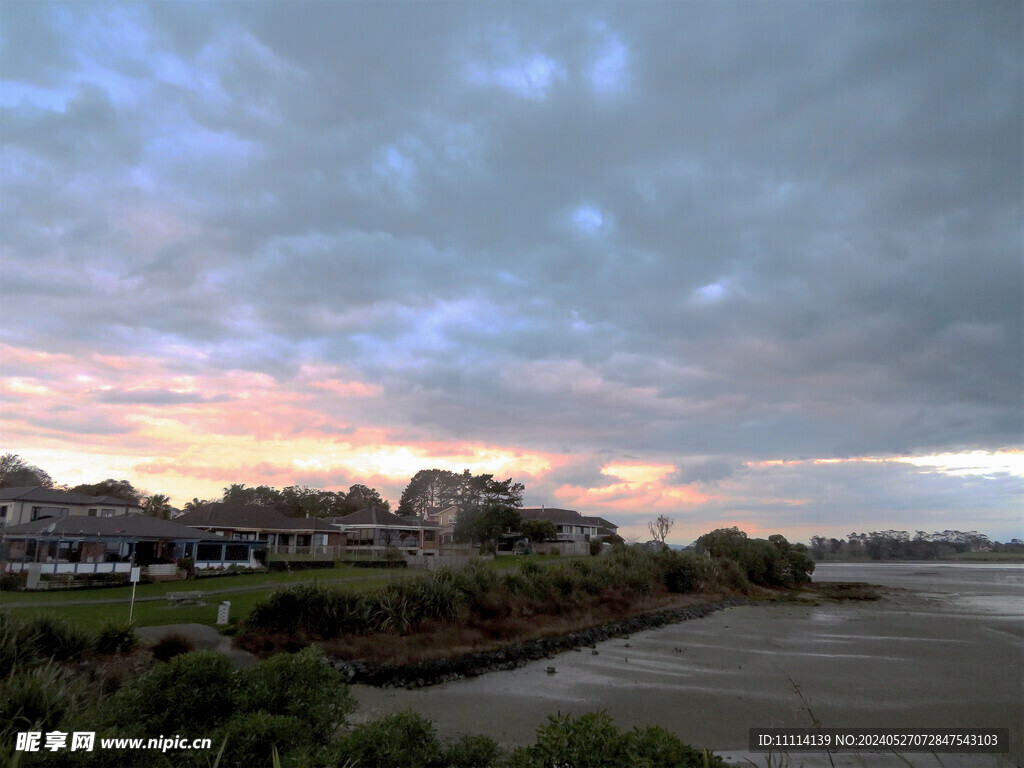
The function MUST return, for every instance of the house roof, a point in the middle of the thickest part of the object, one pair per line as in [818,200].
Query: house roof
[376,517]
[130,526]
[220,515]
[554,514]
[600,522]
[57,496]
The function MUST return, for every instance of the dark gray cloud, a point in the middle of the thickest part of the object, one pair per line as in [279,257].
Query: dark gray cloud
[680,230]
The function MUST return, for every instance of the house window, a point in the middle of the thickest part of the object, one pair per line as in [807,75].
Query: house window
[428,535]
[40,513]
[92,512]
[237,552]
[3,512]
[208,552]
[107,512]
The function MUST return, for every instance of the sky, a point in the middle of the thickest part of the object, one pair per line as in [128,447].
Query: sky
[737,263]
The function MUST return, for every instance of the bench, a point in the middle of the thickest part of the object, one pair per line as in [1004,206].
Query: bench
[185,598]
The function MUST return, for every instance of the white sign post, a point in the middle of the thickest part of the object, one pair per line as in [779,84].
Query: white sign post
[134,578]
[222,612]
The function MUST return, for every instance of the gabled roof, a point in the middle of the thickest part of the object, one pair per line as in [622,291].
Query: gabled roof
[600,522]
[129,526]
[220,515]
[554,514]
[376,517]
[57,496]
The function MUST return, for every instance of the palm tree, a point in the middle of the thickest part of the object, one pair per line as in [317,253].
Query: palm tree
[157,505]
[191,506]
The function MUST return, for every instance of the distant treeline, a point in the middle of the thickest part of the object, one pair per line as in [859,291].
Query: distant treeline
[900,545]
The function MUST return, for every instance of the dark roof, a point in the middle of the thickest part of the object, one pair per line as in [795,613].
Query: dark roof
[554,514]
[57,496]
[220,515]
[375,516]
[600,522]
[131,526]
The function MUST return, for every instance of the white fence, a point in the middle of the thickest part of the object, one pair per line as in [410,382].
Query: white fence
[84,568]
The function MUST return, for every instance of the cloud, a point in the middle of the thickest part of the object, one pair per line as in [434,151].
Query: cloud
[699,236]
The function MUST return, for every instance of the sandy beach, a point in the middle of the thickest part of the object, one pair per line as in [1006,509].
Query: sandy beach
[934,657]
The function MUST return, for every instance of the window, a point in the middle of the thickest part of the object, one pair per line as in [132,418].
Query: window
[428,535]
[237,552]
[40,513]
[3,512]
[92,512]
[208,552]
[107,512]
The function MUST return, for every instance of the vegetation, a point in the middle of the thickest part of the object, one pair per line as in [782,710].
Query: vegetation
[15,472]
[440,488]
[768,563]
[900,545]
[660,528]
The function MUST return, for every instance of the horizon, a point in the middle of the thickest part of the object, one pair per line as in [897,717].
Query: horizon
[752,265]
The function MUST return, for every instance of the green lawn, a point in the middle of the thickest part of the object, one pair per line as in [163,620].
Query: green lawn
[157,612]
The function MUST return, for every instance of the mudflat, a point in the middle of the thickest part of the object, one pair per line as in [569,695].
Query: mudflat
[931,657]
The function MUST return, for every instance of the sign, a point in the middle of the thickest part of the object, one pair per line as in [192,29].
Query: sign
[222,612]
[136,575]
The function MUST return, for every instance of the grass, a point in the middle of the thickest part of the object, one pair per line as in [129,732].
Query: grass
[155,613]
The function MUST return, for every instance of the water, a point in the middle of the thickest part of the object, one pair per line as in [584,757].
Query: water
[946,648]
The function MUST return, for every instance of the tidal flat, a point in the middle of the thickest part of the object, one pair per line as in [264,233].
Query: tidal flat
[943,648]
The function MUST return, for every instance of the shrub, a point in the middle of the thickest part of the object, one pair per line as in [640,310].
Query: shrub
[302,686]
[249,738]
[471,752]
[54,638]
[684,572]
[39,699]
[402,740]
[170,646]
[190,693]
[116,637]
[592,741]
[16,647]
[9,582]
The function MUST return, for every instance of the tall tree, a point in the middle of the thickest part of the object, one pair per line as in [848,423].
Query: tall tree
[429,488]
[119,489]
[157,505]
[15,472]
[361,496]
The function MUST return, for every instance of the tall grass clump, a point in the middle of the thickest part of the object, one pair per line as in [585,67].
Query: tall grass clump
[37,699]
[115,637]
[53,638]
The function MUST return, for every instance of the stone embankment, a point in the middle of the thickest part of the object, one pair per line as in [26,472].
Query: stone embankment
[474,664]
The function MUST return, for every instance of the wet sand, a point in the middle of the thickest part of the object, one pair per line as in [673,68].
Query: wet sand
[934,658]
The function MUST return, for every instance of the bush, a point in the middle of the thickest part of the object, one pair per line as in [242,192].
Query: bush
[36,700]
[9,582]
[302,686]
[592,741]
[249,738]
[472,752]
[684,571]
[53,638]
[402,740]
[189,694]
[170,646]
[116,637]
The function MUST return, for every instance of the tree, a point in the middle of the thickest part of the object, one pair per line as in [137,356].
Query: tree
[539,530]
[429,488]
[157,505]
[119,489]
[196,503]
[361,496]
[660,528]
[486,523]
[258,496]
[15,472]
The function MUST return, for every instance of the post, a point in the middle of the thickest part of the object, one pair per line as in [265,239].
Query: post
[136,572]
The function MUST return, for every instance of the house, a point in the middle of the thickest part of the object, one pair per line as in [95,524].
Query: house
[444,518]
[373,529]
[80,544]
[606,531]
[23,505]
[574,530]
[281,534]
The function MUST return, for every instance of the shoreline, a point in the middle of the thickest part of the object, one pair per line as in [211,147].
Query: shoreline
[473,664]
